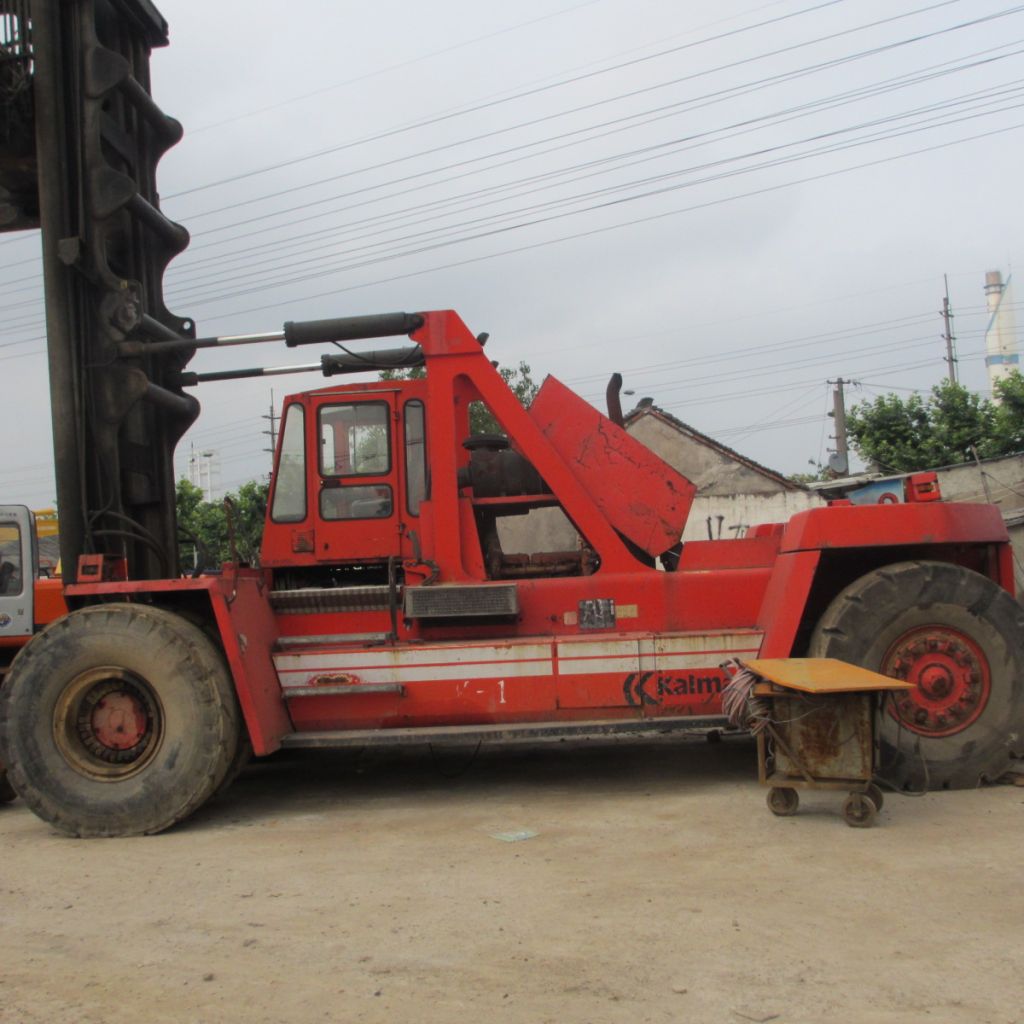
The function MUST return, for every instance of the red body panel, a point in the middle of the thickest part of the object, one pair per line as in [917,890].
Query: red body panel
[785,600]
[47,605]
[913,524]
[642,496]
[525,680]
[248,632]
[49,601]
[662,657]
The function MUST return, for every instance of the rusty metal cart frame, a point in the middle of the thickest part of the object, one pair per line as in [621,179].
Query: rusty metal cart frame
[819,732]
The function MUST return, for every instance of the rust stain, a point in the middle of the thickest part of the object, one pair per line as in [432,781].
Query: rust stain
[819,739]
[334,679]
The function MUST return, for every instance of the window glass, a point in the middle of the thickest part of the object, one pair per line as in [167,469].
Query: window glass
[290,484]
[11,575]
[362,501]
[415,456]
[354,439]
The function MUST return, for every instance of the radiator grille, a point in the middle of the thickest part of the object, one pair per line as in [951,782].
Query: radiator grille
[311,600]
[448,602]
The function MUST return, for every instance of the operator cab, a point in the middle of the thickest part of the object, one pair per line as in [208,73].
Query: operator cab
[386,480]
[351,474]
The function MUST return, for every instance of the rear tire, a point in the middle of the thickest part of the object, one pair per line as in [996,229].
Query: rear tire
[960,639]
[7,793]
[239,762]
[118,720]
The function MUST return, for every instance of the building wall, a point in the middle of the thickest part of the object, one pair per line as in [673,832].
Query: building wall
[726,488]
[711,471]
[541,529]
[741,511]
[1004,480]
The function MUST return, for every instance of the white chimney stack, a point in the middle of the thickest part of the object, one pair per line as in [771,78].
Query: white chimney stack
[1001,334]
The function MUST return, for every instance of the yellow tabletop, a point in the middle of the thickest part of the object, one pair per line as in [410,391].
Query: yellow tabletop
[822,675]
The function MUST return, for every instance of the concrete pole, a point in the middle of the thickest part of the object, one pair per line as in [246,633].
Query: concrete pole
[948,317]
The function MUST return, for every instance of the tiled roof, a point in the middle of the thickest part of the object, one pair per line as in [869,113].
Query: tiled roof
[648,408]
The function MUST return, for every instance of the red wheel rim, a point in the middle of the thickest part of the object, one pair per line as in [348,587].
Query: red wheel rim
[108,723]
[118,720]
[951,677]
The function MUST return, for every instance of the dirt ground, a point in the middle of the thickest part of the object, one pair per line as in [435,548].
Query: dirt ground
[369,887]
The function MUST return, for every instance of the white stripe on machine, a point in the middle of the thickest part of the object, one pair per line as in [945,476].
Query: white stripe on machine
[575,657]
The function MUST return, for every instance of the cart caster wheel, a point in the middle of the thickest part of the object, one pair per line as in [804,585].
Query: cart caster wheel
[859,811]
[876,796]
[783,801]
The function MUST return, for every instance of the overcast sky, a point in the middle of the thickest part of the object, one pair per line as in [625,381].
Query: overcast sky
[729,202]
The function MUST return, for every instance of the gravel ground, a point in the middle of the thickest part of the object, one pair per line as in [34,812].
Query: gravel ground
[657,888]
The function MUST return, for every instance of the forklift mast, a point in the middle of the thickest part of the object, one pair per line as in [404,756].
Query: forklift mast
[80,139]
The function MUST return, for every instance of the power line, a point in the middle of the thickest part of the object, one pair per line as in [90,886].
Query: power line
[278,246]
[646,219]
[609,204]
[998,14]
[217,283]
[431,121]
[618,97]
[377,72]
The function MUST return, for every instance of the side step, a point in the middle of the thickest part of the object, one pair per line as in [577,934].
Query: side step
[507,733]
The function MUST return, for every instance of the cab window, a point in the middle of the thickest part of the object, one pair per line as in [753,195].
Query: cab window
[290,483]
[361,501]
[10,560]
[415,456]
[355,440]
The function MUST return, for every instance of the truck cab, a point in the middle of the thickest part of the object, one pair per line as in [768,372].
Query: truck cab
[17,561]
[29,599]
[351,474]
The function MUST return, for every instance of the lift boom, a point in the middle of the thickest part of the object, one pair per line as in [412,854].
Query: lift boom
[79,148]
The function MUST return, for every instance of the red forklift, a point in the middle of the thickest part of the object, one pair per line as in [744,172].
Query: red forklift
[385,608]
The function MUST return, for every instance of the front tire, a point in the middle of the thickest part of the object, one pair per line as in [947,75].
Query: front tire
[960,639]
[118,720]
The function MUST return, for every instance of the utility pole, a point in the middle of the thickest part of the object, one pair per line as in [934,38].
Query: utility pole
[272,432]
[839,460]
[947,315]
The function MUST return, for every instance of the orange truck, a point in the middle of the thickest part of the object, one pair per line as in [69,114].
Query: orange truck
[30,595]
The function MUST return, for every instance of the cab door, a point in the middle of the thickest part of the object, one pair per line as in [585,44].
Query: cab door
[359,495]
[16,572]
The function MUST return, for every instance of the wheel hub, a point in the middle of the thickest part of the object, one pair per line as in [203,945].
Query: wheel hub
[950,675]
[108,723]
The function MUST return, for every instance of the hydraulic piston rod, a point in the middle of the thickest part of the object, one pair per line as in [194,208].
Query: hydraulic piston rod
[294,333]
[330,365]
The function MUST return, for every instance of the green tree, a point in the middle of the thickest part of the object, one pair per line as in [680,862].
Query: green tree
[819,473]
[481,420]
[1009,414]
[250,515]
[915,433]
[522,385]
[203,525]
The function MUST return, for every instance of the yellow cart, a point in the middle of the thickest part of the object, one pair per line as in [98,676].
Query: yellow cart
[815,730]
